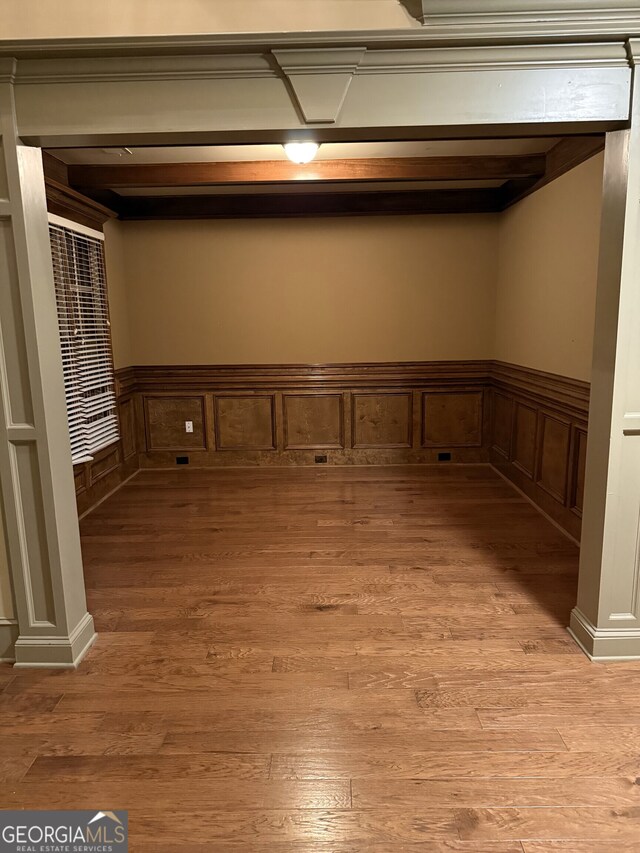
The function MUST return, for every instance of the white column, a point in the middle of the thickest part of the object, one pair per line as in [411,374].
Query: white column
[606,620]
[36,474]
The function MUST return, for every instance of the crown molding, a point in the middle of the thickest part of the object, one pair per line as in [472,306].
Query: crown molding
[633,49]
[543,15]
[506,57]
[454,22]
[301,66]
[125,68]
[8,69]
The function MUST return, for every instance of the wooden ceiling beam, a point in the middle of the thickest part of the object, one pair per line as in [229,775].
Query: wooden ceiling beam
[463,168]
[566,154]
[316,204]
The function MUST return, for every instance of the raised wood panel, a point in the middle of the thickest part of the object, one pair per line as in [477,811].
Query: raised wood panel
[382,420]
[502,424]
[245,422]
[104,463]
[392,412]
[165,423]
[80,479]
[553,457]
[452,419]
[313,421]
[579,462]
[523,449]
[126,415]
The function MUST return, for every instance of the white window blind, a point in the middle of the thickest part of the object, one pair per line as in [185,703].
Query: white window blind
[85,337]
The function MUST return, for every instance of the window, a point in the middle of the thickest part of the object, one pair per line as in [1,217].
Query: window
[85,337]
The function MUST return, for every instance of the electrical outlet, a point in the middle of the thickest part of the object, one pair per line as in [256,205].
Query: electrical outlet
[321,459]
[188,426]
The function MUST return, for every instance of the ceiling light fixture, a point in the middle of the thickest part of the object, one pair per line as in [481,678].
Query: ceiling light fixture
[301,152]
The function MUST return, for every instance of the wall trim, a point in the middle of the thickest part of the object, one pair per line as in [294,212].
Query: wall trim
[295,60]
[244,377]
[569,395]
[604,644]
[69,204]
[8,637]
[607,20]
[56,652]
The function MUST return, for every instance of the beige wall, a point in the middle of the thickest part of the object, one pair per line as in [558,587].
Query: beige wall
[519,287]
[26,19]
[310,290]
[547,271]
[117,287]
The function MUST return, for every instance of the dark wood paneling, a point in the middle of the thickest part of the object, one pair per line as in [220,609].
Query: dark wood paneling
[452,419]
[452,168]
[502,424]
[565,155]
[104,463]
[313,421]
[126,414]
[546,452]
[537,388]
[245,422]
[523,448]
[553,458]
[268,205]
[55,169]
[66,202]
[532,428]
[165,423]
[382,420]
[185,378]
[80,478]
[96,479]
[300,426]
[111,466]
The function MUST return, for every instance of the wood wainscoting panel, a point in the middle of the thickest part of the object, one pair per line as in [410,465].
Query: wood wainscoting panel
[165,419]
[544,452]
[501,424]
[80,479]
[452,419]
[383,419]
[553,459]
[525,429]
[245,421]
[127,418]
[104,462]
[529,424]
[313,421]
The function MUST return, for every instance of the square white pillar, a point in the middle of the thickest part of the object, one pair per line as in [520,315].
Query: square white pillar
[36,473]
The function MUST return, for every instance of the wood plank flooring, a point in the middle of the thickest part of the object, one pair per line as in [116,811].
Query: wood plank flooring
[345,660]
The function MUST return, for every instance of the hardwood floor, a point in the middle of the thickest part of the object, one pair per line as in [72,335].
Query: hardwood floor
[345,660]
